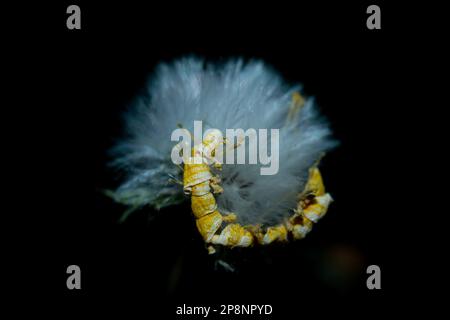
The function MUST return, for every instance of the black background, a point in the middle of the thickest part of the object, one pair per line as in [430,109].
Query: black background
[88,78]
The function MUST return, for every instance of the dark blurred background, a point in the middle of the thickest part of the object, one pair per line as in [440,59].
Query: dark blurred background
[92,75]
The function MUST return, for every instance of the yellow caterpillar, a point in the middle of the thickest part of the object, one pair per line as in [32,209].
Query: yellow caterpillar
[219,229]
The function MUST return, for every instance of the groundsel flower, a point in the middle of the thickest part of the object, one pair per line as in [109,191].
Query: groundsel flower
[242,206]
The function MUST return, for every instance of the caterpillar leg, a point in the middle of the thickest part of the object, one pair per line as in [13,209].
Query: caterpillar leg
[215,185]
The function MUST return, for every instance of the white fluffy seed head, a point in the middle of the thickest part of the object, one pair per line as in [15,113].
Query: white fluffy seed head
[231,95]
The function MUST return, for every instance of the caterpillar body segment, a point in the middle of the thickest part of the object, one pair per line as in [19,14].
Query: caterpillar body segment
[314,201]
[317,210]
[196,175]
[234,235]
[277,233]
[203,204]
[209,224]
[299,226]
[315,185]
